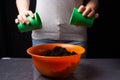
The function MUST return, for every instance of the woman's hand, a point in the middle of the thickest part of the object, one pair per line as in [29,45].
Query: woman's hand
[22,17]
[88,11]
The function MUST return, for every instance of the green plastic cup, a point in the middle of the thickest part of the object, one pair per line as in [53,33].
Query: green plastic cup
[35,23]
[77,19]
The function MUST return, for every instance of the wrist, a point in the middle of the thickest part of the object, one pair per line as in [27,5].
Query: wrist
[23,11]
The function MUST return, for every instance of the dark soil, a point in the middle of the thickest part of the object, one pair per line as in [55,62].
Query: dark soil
[58,51]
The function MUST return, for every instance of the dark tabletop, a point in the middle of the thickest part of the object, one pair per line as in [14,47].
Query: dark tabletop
[88,69]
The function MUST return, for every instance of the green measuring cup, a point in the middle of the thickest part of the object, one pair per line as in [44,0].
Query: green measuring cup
[35,23]
[77,19]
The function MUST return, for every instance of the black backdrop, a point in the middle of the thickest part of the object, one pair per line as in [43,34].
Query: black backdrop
[13,43]
[103,37]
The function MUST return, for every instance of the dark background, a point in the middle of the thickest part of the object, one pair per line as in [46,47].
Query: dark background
[13,43]
[103,37]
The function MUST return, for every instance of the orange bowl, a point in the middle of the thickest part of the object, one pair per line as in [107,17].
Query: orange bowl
[55,66]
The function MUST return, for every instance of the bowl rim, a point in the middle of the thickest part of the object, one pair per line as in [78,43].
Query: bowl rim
[35,55]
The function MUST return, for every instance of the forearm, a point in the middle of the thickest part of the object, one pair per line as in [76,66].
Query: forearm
[22,5]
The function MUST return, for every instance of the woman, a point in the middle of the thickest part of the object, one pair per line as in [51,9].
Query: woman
[55,15]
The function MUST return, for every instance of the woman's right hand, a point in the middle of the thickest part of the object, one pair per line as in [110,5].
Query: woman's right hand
[22,17]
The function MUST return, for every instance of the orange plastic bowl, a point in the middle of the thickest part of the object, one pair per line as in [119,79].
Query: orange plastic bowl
[59,66]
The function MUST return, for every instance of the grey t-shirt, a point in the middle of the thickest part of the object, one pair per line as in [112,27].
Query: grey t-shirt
[55,15]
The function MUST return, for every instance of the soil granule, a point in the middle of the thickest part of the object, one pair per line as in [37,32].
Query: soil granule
[58,51]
